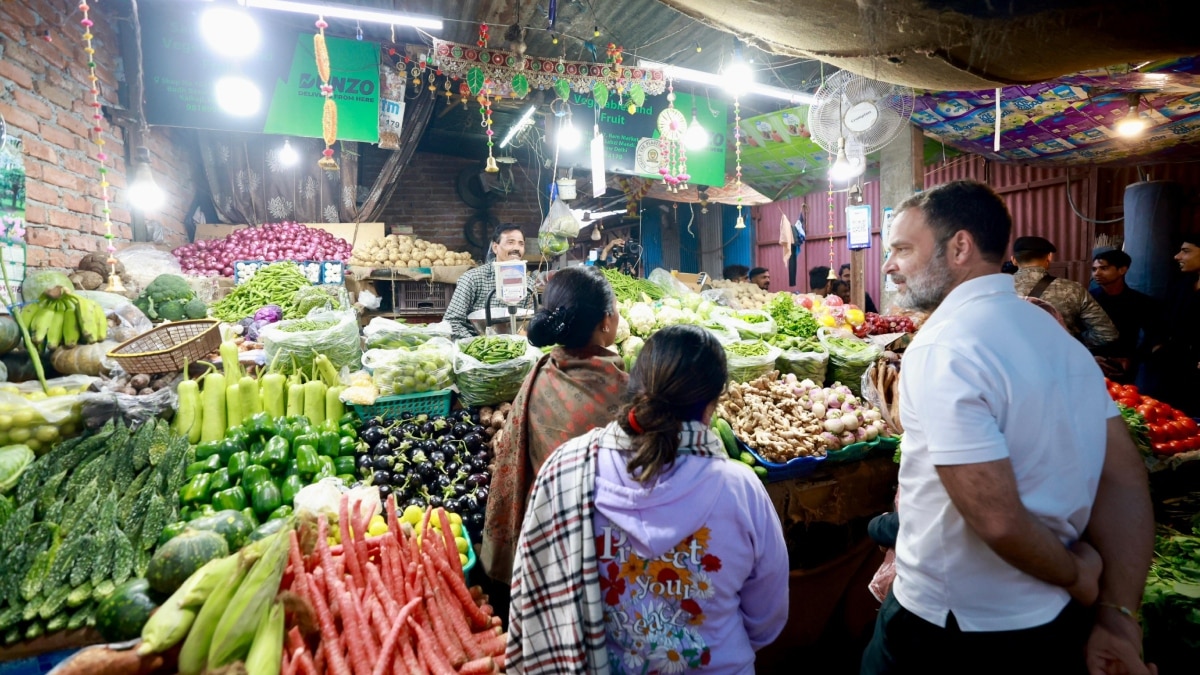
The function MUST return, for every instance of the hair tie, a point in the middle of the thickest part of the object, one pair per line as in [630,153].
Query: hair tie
[633,423]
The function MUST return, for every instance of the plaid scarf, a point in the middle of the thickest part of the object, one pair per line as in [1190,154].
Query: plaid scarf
[556,620]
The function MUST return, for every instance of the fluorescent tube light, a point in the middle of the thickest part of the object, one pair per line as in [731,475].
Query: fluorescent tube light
[526,120]
[329,10]
[719,81]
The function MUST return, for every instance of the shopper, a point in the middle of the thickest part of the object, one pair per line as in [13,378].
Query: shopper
[1013,452]
[1083,315]
[736,273]
[819,281]
[761,277]
[646,549]
[868,303]
[1175,363]
[473,288]
[1133,313]
[575,388]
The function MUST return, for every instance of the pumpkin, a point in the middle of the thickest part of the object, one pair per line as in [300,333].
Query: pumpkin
[176,560]
[122,615]
[10,334]
[267,529]
[231,524]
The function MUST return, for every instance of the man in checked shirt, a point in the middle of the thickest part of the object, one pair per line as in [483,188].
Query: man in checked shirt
[471,293]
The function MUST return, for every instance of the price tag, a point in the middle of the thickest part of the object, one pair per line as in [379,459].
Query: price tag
[510,281]
[858,227]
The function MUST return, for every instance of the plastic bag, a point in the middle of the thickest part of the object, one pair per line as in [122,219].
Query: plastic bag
[323,498]
[804,365]
[721,296]
[849,358]
[125,321]
[753,324]
[41,422]
[725,333]
[294,352]
[747,368]
[481,383]
[560,221]
[872,395]
[426,367]
[98,409]
[384,333]
[672,286]
[144,262]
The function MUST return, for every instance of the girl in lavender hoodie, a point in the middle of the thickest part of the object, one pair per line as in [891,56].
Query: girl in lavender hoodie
[691,562]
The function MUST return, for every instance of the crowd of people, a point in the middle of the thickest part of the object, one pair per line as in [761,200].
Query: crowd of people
[1023,530]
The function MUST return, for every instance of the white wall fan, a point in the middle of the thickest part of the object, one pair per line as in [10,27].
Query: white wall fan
[854,115]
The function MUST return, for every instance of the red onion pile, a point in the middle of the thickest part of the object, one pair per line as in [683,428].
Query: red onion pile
[271,242]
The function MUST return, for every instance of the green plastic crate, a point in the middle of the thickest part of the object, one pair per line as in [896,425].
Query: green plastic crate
[431,403]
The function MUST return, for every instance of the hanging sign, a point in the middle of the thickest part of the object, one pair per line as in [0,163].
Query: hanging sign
[858,227]
[392,82]
[599,186]
[885,235]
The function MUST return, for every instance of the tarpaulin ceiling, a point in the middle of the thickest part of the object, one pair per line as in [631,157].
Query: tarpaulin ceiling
[1071,120]
[960,45]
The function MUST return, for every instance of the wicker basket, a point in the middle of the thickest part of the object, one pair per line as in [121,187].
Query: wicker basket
[164,349]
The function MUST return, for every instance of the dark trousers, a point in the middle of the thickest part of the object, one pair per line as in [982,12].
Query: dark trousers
[905,643]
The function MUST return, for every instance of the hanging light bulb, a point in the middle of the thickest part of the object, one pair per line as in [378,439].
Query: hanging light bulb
[230,31]
[287,154]
[842,168]
[1132,124]
[737,73]
[569,137]
[144,193]
[696,138]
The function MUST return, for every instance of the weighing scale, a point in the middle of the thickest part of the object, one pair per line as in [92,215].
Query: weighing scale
[511,289]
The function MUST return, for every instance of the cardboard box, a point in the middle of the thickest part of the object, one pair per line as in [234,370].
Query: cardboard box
[357,234]
[696,282]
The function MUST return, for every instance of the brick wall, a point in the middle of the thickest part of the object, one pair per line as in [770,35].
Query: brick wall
[44,97]
[427,201]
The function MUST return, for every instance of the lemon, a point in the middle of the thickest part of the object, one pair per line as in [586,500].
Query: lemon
[461,543]
[56,391]
[413,514]
[36,396]
[462,559]
[46,433]
[377,529]
[456,528]
[22,418]
[6,422]
[455,519]
[19,435]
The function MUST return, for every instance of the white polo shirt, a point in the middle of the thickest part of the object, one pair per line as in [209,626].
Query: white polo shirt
[991,376]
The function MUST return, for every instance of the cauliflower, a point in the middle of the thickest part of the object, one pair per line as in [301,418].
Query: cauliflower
[668,316]
[622,329]
[630,349]
[641,319]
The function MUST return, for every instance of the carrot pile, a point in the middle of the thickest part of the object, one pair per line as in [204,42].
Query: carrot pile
[387,605]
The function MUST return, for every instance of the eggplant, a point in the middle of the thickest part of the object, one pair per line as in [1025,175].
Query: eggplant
[417,456]
[477,480]
[460,430]
[380,477]
[481,496]
[381,448]
[470,504]
[437,457]
[474,442]
[435,501]
[406,415]
[418,502]
[384,491]
[427,472]
[372,435]
[476,520]
[385,463]
[451,468]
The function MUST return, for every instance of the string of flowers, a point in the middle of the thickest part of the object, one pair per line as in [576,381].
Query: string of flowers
[329,112]
[97,136]
[737,149]
[829,199]
[12,231]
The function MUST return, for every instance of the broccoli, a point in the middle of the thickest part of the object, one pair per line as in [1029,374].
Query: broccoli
[165,288]
[172,310]
[196,309]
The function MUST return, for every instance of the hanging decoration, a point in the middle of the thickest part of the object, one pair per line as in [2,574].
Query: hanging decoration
[329,112]
[672,126]
[737,149]
[832,254]
[114,280]
[482,85]
[456,60]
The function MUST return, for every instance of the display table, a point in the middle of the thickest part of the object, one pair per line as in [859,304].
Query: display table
[832,613]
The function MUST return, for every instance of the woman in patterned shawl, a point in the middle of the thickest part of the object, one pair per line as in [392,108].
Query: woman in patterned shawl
[574,389]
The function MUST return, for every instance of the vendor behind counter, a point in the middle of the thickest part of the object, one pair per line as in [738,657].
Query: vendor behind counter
[474,287]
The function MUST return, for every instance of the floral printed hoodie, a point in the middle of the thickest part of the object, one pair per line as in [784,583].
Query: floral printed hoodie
[693,569]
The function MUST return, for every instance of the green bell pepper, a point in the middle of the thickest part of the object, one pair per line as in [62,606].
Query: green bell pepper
[202,511]
[344,464]
[259,427]
[329,444]
[204,466]
[239,436]
[219,480]
[231,447]
[327,469]
[253,475]
[293,468]
[232,498]
[287,432]
[275,455]
[349,418]
[171,531]
[280,513]
[347,478]
[328,425]
[347,447]
[310,439]
[300,422]
[265,497]
[206,450]
[196,491]
[307,462]
[238,463]
[290,486]
[251,516]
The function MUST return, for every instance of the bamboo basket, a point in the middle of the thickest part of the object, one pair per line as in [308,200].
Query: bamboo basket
[165,348]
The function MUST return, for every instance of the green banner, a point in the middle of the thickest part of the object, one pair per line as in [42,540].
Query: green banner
[182,73]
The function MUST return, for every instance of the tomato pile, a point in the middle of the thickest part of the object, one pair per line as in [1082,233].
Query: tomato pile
[882,325]
[1171,431]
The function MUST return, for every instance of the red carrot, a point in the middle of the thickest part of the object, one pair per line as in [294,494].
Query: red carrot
[373,545]
[458,586]
[306,665]
[319,660]
[484,666]
[453,616]
[351,553]
[448,535]
[389,644]
[381,591]
[429,649]
[297,560]
[456,652]
[329,634]
[491,643]
[501,659]
[358,638]
[415,663]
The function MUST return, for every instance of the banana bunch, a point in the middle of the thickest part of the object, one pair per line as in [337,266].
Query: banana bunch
[62,319]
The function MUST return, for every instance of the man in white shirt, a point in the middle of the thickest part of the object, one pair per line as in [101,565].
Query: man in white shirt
[1022,498]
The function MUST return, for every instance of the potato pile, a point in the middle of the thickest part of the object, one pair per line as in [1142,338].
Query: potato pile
[404,251]
[746,295]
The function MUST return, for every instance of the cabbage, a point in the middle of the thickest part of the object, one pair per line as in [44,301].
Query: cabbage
[40,282]
[14,459]
[269,314]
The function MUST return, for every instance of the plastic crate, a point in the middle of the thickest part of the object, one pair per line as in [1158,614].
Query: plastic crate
[794,468]
[860,451]
[421,297]
[432,403]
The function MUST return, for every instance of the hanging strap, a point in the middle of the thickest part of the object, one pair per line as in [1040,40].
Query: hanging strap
[1041,286]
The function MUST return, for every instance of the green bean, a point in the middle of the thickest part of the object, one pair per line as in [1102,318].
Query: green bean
[274,284]
[305,325]
[493,350]
[748,348]
[627,288]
